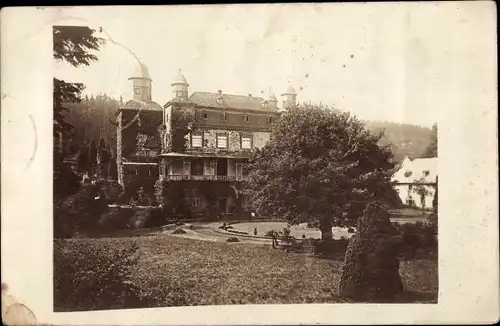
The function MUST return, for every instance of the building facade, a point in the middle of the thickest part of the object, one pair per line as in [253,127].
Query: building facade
[202,140]
[415,182]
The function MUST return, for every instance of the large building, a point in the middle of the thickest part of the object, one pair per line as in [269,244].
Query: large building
[416,182]
[202,139]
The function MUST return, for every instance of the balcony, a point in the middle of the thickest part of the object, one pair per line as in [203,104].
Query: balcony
[179,177]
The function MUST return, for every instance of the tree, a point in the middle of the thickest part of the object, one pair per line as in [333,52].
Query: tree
[432,149]
[92,158]
[320,166]
[72,44]
[371,269]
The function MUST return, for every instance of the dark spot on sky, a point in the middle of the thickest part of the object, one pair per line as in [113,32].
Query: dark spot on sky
[301,88]
[343,66]
[352,56]
[307,75]
[303,59]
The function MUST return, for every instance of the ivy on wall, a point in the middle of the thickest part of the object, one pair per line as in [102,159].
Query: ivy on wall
[143,123]
[182,121]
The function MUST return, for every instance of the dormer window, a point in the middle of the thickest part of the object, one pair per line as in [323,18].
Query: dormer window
[204,115]
[224,116]
[219,100]
[265,105]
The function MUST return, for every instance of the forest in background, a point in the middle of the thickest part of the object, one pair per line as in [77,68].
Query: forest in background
[94,119]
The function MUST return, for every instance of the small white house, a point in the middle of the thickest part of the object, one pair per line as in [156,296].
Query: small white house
[416,180]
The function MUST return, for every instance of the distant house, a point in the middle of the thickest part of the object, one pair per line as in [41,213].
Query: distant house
[415,181]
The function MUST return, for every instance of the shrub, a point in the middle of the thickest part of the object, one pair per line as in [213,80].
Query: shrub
[156,217]
[90,275]
[79,212]
[417,240]
[116,218]
[371,269]
[351,230]
[179,231]
[233,239]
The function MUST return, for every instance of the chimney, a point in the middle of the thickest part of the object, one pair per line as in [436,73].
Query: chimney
[219,91]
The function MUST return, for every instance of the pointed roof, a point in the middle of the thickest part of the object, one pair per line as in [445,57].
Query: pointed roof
[134,104]
[290,90]
[271,96]
[179,79]
[141,71]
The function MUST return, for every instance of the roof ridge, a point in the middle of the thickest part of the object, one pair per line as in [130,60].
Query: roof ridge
[237,95]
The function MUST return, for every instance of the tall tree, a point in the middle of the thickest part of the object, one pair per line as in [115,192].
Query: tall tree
[320,166]
[74,45]
[432,149]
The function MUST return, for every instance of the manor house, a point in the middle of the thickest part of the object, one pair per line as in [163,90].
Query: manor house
[202,139]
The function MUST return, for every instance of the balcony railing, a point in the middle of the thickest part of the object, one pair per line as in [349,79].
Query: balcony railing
[205,177]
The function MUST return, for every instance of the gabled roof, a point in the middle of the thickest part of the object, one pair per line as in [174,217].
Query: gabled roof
[141,105]
[241,102]
[414,170]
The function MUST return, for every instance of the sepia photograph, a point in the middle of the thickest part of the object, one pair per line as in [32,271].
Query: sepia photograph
[172,191]
[250,164]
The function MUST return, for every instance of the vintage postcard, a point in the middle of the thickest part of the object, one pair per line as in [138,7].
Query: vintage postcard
[250,164]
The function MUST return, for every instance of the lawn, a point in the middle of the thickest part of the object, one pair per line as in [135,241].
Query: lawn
[173,271]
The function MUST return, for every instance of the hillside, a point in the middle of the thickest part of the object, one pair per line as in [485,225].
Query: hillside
[405,139]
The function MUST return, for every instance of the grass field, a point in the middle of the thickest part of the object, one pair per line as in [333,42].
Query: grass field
[179,271]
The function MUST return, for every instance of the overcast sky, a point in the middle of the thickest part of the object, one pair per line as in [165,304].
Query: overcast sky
[379,61]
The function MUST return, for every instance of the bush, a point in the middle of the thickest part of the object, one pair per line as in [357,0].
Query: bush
[89,275]
[233,239]
[417,240]
[156,217]
[116,218]
[179,231]
[371,269]
[80,212]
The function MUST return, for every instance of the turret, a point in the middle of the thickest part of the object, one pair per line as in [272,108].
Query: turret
[271,99]
[141,83]
[180,87]
[289,98]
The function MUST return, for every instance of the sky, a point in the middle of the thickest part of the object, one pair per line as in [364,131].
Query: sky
[379,61]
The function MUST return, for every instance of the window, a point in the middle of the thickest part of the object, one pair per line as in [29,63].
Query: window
[222,141]
[166,117]
[426,173]
[408,174]
[223,117]
[204,115]
[196,201]
[246,142]
[245,118]
[269,120]
[197,140]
